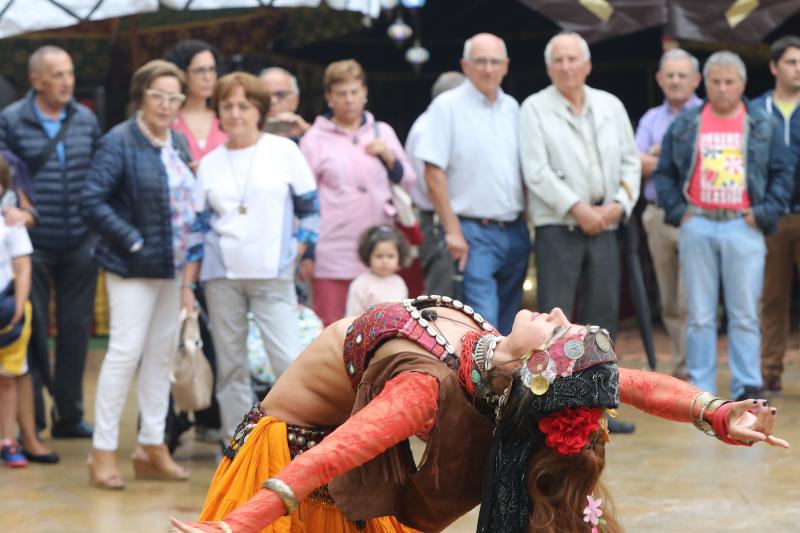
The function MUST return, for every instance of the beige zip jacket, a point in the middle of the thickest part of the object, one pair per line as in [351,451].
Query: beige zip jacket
[555,164]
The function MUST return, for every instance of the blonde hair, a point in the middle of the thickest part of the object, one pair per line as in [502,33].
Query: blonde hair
[345,70]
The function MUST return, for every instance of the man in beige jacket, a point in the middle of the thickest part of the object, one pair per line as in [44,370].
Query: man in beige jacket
[582,172]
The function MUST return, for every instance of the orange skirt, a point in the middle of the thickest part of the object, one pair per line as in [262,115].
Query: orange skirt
[264,454]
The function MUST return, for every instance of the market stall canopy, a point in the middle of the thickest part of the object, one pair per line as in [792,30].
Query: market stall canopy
[728,21]
[22,16]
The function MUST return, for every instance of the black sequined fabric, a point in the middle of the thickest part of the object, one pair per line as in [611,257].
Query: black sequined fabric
[505,505]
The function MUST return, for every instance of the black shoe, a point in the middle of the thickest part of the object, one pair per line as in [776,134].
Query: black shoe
[750,392]
[45,458]
[618,426]
[75,430]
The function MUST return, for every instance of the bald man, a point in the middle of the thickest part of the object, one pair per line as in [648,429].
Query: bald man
[471,154]
[282,118]
[56,137]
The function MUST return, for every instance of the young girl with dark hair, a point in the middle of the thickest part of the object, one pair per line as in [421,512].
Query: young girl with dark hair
[384,250]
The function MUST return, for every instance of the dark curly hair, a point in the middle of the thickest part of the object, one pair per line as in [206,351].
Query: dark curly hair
[373,235]
[185,50]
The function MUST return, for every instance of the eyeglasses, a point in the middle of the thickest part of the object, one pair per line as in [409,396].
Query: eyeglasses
[160,97]
[199,71]
[280,95]
[483,61]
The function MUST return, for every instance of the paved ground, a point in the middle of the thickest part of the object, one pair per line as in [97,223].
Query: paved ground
[666,477]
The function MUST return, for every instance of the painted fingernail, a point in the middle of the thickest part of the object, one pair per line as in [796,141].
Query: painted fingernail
[755,402]
[774,411]
[765,403]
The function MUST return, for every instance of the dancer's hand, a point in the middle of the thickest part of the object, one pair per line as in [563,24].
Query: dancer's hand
[753,421]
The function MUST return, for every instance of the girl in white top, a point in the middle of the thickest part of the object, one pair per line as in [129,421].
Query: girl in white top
[383,249]
[262,200]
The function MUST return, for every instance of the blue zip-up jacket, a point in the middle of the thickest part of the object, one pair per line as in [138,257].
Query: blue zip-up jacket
[767,163]
[57,189]
[127,199]
[791,137]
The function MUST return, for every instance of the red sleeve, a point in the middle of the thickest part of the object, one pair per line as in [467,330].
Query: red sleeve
[657,394]
[406,406]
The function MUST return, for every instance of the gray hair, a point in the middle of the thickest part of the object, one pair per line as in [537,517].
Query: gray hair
[725,58]
[468,46]
[445,82]
[584,45]
[679,53]
[36,60]
[292,79]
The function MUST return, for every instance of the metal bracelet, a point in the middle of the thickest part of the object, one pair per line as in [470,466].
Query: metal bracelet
[691,407]
[701,424]
[225,527]
[284,492]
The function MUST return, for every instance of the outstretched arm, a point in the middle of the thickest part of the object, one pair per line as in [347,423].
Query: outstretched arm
[660,395]
[406,406]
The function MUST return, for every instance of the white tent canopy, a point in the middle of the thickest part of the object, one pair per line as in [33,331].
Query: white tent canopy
[21,16]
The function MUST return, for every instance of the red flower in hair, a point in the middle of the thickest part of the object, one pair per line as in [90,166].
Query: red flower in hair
[567,431]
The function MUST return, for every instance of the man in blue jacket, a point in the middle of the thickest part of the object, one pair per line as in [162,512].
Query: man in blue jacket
[55,136]
[724,177]
[783,247]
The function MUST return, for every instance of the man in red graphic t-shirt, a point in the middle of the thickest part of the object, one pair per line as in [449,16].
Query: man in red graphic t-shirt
[724,176]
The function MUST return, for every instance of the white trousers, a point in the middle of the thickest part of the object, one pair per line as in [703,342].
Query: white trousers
[144,328]
[273,303]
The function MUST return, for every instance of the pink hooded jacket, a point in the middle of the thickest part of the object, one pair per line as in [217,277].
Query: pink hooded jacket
[353,189]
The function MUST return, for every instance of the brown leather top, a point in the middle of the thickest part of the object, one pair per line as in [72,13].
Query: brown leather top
[448,481]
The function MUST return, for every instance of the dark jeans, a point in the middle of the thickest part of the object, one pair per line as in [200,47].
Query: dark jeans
[73,274]
[569,261]
[437,265]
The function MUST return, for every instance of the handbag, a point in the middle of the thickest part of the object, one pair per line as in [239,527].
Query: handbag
[405,217]
[190,374]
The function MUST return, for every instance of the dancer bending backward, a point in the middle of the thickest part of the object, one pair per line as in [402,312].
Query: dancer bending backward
[402,369]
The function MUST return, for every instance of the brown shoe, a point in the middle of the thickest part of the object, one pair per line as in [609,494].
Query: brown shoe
[103,470]
[155,462]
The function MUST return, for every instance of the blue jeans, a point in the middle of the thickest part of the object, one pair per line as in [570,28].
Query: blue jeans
[496,266]
[731,252]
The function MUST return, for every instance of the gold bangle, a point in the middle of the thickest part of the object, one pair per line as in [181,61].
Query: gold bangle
[225,527]
[284,492]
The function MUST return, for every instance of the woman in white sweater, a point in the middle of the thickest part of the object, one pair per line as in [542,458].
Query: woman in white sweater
[264,212]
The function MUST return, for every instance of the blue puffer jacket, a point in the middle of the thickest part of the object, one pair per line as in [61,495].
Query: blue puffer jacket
[790,130]
[57,190]
[769,173]
[126,199]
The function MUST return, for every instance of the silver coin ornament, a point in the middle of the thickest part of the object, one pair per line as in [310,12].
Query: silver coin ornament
[573,350]
[603,342]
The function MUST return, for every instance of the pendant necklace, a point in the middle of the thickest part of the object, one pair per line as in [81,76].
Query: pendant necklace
[243,193]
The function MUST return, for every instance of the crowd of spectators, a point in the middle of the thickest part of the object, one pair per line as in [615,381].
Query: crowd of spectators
[217,191]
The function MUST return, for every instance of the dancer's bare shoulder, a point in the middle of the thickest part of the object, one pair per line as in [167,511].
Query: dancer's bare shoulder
[315,389]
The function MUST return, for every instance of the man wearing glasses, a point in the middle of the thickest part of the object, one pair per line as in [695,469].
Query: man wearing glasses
[582,171]
[282,118]
[56,137]
[472,171]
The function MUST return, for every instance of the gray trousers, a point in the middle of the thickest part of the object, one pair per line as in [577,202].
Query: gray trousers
[273,303]
[568,260]
[437,265]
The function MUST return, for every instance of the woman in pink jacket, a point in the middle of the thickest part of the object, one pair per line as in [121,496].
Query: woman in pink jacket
[355,160]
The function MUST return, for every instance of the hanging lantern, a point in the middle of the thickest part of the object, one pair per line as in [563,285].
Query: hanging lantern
[413,4]
[417,55]
[399,31]
[388,4]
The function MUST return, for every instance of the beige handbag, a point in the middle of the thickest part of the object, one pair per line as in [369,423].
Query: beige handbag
[190,374]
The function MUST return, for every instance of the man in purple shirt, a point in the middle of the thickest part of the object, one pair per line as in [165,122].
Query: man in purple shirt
[678,76]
